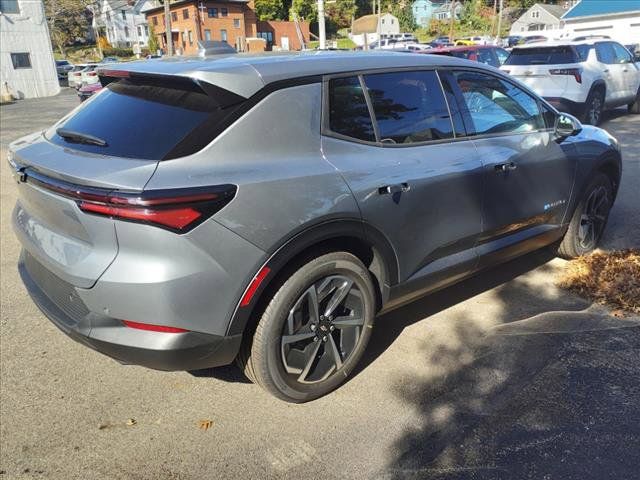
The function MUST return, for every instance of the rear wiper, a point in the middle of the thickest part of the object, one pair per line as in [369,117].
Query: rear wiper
[80,137]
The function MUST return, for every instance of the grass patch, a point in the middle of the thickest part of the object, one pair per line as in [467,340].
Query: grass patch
[608,278]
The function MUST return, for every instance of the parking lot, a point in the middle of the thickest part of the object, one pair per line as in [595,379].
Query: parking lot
[501,376]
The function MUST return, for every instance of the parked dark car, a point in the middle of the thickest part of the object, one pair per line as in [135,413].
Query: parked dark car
[265,209]
[488,54]
[513,40]
[63,67]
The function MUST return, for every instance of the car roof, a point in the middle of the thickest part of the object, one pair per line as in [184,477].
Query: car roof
[459,48]
[246,74]
[563,43]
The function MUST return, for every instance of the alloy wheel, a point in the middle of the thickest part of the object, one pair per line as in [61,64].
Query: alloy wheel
[322,330]
[595,109]
[593,218]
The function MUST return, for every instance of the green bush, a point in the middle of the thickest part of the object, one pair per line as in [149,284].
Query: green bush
[117,52]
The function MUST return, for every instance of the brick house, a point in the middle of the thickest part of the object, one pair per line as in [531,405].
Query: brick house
[232,21]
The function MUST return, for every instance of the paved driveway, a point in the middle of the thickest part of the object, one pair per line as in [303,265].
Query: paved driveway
[502,376]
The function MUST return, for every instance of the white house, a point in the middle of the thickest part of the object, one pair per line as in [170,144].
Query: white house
[618,19]
[26,58]
[366,29]
[444,11]
[122,22]
[538,18]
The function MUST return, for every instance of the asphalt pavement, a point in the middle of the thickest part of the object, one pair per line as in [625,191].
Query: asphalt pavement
[501,376]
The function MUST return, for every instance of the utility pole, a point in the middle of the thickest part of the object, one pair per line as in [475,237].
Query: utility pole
[321,29]
[453,19]
[500,18]
[167,27]
[493,19]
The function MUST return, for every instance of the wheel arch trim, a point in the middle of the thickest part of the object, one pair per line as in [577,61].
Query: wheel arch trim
[384,264]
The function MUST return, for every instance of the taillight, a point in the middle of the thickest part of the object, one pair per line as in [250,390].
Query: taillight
[575,72]
[177,210]
[91,74]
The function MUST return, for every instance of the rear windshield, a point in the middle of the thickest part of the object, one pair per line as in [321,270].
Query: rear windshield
[542,56]
[149,120]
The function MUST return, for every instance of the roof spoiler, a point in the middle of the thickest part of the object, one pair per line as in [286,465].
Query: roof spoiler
[223,98]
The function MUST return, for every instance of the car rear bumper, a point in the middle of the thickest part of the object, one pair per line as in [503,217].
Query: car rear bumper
[565,105]
[157,350]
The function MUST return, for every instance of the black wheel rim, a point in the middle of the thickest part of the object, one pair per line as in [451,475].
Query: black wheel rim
[322,330]
[593,218]
[595,110]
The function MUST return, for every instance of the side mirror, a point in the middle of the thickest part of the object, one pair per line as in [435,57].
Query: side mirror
[567,126]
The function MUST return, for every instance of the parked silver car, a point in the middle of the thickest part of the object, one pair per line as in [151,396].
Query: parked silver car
[265,209]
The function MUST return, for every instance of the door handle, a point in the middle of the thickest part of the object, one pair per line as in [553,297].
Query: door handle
[606,70]
[395,188]
[505,167]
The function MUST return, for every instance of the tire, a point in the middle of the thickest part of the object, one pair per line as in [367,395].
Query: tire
[594,106]
[576,242]
[298,355]
[634,107]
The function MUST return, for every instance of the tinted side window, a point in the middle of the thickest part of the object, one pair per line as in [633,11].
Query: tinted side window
[348,112]
[502,55]
[497,106]
[409,107]
[605,53]
[583,52]
[621,53]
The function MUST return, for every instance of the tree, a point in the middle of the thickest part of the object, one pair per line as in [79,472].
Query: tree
[67,21]
[306,10]
[270,10]
[341,12]
[404,14]
[153,41]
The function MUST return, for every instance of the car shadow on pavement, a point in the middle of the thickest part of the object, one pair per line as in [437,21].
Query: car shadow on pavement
[551,390]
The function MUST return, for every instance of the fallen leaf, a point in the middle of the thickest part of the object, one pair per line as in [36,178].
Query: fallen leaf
[131,421]
[205,424]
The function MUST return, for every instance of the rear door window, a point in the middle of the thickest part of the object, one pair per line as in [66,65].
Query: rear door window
[495,106]
[348,112]
[542,56]
[605,53]
[409,107]
[146,120]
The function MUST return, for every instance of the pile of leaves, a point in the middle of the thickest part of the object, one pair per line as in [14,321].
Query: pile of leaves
[608,278]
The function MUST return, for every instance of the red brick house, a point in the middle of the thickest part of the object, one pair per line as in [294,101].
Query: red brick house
[232,21]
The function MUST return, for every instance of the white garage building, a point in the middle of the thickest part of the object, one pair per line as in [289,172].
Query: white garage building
[26,58]
[618,19]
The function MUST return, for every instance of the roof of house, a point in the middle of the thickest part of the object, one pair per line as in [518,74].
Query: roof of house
[588,8]
[367,24]
[246,74]
[159,6]
[555,10]
[446,7]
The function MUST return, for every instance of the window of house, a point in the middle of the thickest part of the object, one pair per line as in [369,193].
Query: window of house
[494,105]
[223,35]
[9,6]
[348,112]
[155,21]
[207,35]
[190,37]
[236,23]
[213,12]
[409,107]
[146,30]
[224,12]
[139,31]
[126,32]
[535,14]
[108,16]
[174,16]
[21,60]
[185,13]
[382,21]
[124,14]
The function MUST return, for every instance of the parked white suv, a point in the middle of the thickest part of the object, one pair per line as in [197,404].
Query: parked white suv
[583,78]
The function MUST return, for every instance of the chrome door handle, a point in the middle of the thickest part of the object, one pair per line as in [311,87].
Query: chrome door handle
[395,188]
[505,167]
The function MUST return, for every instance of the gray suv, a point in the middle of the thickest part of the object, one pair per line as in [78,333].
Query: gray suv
[265,209]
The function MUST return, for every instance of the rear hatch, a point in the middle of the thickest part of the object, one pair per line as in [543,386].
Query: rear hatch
[110,144]
[545,69]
